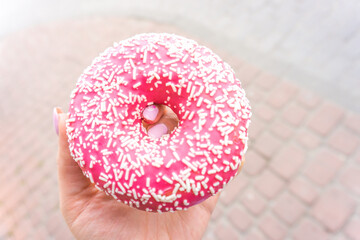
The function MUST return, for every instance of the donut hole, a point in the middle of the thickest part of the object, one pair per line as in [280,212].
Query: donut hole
[165,122]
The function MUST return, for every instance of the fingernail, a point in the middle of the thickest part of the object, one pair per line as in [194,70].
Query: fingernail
[158,130]
[150,112]
[56,120]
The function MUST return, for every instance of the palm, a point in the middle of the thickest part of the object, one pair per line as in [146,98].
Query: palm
[93,215]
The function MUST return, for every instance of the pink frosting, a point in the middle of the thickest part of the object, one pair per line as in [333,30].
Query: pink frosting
[179,170]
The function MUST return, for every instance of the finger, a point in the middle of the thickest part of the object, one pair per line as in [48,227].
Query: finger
[153,113]
[71,179]
[241,166]
[210,203]
[165,125]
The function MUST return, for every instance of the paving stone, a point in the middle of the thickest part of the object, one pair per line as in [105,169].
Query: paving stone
[240,218]
[281,95]
[233,189]
[350,178]
[225,232]
[253,201]
[294,114]
[268,184]
[340,236]
[254,163]
[216,214]
[3,233]
[254,235]
[344,141]
[54,221]
[255,95]
[323,166]
[357,157]
[309,230]
[272,227]
[267,144]
[266,81]
[40,233]
[333,209]
[257,126]
[264,111]
[38,216]
[308,139]
[288,208]
[281,129]
[288,161]
[352,121]
[235,62]
[209,237]
[63,233]
[352,230]
[308,99]
[325,118]
[8,222]
[247,73]
[303,189]
[23,230]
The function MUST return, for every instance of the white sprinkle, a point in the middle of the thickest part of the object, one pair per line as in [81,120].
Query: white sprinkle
[171,61]
[198,104]
[105,160]
[218,177]
[184,58]
[176,155]
[212,190]
[166,179]
[132,63]
[199,178]
[156,76]
[127,174]
[111,76]
[188,87]
[191,115]
[131,180]
[215,121]
[103,106]
[203,183]
[134,193]
[107,184]
[138,173]
[136,85]
[120,157]
[192,92]
[169,164]
[145,56]
[113,188]
[148,182]
[121,187]
[134,73]
[187,163]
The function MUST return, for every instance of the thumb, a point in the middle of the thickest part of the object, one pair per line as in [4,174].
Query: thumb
[71,179]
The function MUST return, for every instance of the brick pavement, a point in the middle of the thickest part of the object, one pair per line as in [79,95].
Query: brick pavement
[300,181]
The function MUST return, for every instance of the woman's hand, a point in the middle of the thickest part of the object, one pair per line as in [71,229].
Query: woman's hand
[91,214]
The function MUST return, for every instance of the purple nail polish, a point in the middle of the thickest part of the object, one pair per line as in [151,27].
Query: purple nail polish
[56,121]
[150,112]
[158,130]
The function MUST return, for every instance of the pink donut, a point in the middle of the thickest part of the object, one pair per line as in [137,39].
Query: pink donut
[178,170]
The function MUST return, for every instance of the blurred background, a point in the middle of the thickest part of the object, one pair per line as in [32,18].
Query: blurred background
[298,60]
